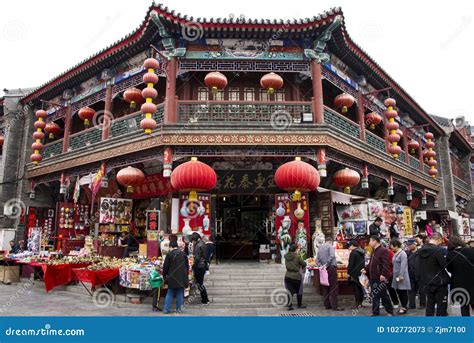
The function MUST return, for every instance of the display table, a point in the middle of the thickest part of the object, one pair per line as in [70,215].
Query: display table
[95,277]
[342,280]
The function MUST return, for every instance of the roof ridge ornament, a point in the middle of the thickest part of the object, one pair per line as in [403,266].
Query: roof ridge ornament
[167,40]
[320,43]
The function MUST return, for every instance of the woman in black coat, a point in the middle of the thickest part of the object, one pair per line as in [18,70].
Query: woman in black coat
[356,264]
[460,263]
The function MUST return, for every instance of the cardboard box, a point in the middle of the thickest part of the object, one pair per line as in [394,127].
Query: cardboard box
[9,274]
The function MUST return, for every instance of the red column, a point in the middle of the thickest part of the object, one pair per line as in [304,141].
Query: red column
[361,115]
[170,105]
[107,112]
[420,154]
[405,145]
[67,126]
[318,106]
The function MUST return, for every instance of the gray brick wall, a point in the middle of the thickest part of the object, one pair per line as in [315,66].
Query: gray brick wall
[447,199]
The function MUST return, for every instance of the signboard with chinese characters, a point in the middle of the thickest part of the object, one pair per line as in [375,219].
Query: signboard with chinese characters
[285,207]
[153,220]
[407,221]
[195,214]
[155,185]
[245,181]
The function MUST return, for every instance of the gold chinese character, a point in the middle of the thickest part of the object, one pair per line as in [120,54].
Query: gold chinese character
[245,183]
[229,182]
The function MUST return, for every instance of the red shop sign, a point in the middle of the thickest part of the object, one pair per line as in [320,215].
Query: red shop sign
[155,185]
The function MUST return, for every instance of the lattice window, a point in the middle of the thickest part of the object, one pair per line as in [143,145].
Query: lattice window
[234,94]
[280,95]
[203,94]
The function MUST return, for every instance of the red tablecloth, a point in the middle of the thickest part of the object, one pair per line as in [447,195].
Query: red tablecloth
[57,275]
[96,277]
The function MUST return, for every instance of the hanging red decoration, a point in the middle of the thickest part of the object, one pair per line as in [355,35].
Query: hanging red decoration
[86,114]
[37,146]
[149,93]
[193,176]
[297,177]
[2,139]
[372,119]
[130,177]
[344,101]
[133,96]
[215,81]
[38,135]
[346,178]
[36,158]
[271,82]
[413,145]
[392,127]
[52,129]
[431,154]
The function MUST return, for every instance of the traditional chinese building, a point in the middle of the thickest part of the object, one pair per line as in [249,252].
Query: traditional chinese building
[284,89]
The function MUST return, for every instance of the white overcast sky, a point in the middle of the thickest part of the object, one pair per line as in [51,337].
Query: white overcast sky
[427,47]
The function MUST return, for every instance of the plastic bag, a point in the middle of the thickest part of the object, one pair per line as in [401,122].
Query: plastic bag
[323,276]
[307,280]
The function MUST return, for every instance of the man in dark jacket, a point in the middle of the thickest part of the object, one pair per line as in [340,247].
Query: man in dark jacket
[175,273]
[374,228]
[378,272]
[294,263]
[354,267]
[200,265]
[434,277]
[412,255]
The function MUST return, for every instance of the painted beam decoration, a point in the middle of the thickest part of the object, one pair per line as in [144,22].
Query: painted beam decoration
[392,127]
[149,93]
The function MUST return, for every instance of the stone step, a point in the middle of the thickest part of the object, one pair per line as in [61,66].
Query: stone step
[244,277]
[243,283]
[250,291]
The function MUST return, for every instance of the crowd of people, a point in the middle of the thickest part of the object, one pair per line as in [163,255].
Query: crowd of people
[427,267]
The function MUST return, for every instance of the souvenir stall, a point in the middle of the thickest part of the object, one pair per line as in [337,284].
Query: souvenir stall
[40,228]
[73,226]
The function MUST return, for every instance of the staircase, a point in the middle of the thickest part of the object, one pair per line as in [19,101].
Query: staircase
[250,285]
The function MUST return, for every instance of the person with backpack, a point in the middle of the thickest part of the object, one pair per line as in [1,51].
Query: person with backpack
[200,265]
[175,272]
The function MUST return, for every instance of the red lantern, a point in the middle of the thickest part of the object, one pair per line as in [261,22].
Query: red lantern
[86,114]
[133,96]
[430,144]
[393,137]
[413,145]
[433,172]
[41,114]
[392,126]
[395,150]
[149,93]
[148,124]
[193,176]
[298,177]
[38,135]
[216,81]
[346,178]
[39,124]
[151,63]
[429,135]
[344,101]
[130,177]
[148,107]
[52,129]
[431,154]
[432,163]
[36,158]
[372,119]
[150,78]
[36,146]
[2,139]
[271,82]
[389,102]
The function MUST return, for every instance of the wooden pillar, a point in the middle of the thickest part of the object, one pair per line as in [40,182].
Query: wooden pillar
[361,115]
[420,154]
[318,105]
[170,105]
[67,126]
[107,111]
[405,145]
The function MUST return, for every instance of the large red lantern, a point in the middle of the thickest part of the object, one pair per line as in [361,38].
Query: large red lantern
[52,129]
[215,81]
[373,119]
[298,177]
[344,101]
[130,177]
[413,145]
[2,140]
[193,176]
[133,96]
[346,178]
[271,82]
[86,114]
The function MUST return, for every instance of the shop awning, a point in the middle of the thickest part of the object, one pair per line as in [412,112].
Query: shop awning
[341,198]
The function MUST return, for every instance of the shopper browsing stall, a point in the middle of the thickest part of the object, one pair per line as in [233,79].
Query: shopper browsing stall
[199,267]
[175,272]
[374,228]
[356,263]
[294,263]
[327,257]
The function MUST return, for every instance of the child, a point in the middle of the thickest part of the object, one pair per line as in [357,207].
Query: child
[156,281]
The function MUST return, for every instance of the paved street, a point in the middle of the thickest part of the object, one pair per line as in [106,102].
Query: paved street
[25,299]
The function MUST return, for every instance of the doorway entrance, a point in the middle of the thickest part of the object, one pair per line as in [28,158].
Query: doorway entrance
[243,225]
